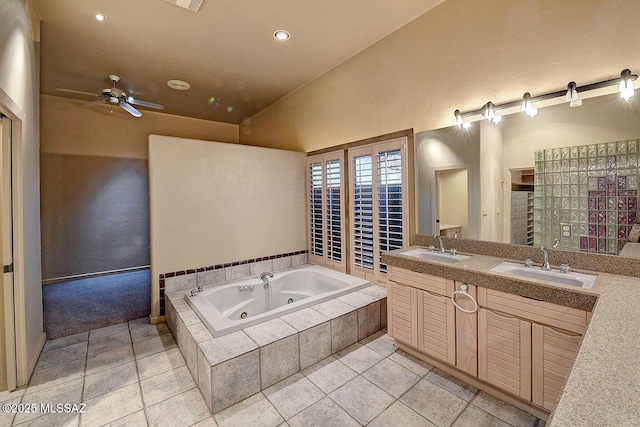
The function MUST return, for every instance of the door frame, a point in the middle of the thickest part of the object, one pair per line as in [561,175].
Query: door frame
[17,116]
[435,190]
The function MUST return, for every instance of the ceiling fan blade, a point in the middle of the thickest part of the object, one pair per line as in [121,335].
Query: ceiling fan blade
[145,104]
[129,108]
[78,92]
[91,104]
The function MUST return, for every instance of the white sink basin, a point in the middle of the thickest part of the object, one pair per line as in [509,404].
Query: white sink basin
[435,256]
[581,280]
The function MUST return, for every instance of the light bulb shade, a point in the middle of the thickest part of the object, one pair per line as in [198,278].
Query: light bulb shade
[626,87]
[458,116]
[527,105]
[489,112]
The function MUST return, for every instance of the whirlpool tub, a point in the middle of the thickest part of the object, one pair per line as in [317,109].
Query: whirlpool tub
[229,308]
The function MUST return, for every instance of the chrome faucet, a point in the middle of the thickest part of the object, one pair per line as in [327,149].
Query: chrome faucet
[545,264]
[441,250]
[265,278]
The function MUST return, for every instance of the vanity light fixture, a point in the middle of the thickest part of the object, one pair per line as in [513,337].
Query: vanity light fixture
[489,113]
[626,84]
[572,96]
[527,105]
[459,121]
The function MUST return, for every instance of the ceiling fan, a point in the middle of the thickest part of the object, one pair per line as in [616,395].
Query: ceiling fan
[114,96]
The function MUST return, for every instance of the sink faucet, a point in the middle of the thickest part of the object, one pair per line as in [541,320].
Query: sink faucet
[265,278]
[545,264]
[441,250]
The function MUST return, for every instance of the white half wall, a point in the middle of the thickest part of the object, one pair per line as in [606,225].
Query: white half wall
[212,203]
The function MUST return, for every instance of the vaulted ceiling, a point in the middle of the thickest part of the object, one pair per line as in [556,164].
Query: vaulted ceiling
[226,51]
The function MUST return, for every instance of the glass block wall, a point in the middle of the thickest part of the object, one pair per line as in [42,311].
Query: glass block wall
[586,196]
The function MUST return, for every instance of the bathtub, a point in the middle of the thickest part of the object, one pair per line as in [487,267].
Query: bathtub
[229,308]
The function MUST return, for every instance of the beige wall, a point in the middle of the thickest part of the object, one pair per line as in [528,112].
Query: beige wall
[492,182]
[19,89]
[460,54]
[213,203]
[67,128]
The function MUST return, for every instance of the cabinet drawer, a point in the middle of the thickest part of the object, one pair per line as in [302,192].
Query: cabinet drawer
[436,326]
[426,282]
[559,316]
[504,352]
[554,352]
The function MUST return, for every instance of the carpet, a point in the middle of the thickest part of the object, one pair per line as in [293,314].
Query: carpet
[84,304]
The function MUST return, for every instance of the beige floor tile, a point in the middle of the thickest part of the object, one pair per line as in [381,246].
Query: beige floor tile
[6,417]
[109,359]
[53,420]
[506,412]
[361,399]
[62,355]
[137,419]
[68,392]
[359,357]
[112,406]
[109,380]
[255,411]
[108,330]
[293,395]
[434,403]
[329,374]
[207,422]
[109,342]
[452,384]
[412,363]
[380,342]
[65,341]
[159,363]
[324,413]
[154,345]
[391,377]
[168,384]
[141,331]
[476,417]
[182,410]
[399,414]
[56,374]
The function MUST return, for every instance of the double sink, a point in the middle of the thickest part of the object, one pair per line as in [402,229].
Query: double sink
[580,280]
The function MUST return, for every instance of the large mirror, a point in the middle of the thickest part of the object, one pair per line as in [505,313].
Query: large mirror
[557,175]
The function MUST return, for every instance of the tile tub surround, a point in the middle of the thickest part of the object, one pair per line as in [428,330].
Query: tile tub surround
[233,367]
[220,274]
[603,386]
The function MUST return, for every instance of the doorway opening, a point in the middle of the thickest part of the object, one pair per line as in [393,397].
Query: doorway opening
[452,206]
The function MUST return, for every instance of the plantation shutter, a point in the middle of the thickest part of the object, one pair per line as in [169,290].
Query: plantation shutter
[378,205]
[325,192]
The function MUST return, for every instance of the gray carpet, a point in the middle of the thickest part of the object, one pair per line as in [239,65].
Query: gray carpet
[84,304]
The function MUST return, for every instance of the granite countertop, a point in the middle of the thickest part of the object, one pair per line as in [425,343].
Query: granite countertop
[604,384]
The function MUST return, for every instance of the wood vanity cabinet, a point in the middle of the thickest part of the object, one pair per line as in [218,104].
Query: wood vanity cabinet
[422,315]
[519,345]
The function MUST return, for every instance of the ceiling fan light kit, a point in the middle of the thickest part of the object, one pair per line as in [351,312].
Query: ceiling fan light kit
[116,96]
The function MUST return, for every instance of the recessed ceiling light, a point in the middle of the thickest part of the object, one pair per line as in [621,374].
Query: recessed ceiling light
[281,34]
[101,17]
[178,85]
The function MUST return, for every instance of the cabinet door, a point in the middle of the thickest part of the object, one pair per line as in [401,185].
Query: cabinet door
[467,332]
[554,352]
[402,318]
[504,352]
[436,326]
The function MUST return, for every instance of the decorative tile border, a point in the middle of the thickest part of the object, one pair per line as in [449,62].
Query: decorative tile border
[220,268]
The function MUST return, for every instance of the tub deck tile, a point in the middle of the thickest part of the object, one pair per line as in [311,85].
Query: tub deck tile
[269,332]
[333,308]
[219,350]
[357,299]
[377,291]
[304,319]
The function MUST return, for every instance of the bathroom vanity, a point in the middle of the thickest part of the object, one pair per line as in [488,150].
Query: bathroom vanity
[529,341]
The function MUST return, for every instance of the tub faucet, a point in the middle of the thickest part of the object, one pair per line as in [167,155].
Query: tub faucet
[265,278]
[441,250]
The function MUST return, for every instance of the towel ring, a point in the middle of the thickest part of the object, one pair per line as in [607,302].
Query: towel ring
[463,291]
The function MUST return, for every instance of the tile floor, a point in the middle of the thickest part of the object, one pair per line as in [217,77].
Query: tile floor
[132,374]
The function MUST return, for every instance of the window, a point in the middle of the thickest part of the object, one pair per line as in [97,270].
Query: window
[326,209]
[378,205]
